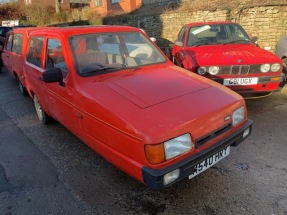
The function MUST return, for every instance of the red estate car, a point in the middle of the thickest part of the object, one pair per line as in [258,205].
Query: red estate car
[115,90]
[223,52]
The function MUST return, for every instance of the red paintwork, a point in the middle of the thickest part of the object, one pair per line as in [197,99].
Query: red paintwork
[118,113]
[193,57]
[13,61]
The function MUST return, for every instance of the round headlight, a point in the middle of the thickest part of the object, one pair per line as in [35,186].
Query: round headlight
[275,67]
[201,70]
[265,67]
[213,70]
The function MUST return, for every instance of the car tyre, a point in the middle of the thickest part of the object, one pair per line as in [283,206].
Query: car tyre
[22,89]
[43,117]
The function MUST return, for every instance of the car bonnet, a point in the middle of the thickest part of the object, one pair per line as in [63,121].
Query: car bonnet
[230,54]
[153,86]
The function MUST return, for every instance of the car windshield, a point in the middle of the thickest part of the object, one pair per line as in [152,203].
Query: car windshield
[217,34]
[106,52]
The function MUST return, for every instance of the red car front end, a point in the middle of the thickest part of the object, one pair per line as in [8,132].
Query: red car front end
[223,52]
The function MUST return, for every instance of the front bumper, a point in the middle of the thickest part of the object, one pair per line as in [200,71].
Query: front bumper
[154,177]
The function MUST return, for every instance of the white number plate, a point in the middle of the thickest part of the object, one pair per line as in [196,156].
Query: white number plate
[240,81]
[209,162]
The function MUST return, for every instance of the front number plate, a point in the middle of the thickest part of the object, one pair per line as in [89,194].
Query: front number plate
[240,81]
[207,163]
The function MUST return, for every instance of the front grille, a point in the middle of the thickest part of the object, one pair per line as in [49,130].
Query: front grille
[202,140]
[239,69]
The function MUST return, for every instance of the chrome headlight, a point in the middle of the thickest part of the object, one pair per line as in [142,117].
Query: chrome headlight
[238,116]
[201,70]
[275,67]
[213,70]
[265,68]
[178,146]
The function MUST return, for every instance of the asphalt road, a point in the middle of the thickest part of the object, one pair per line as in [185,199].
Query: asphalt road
[44,169]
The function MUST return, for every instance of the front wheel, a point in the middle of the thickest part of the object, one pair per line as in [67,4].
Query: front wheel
[43,117]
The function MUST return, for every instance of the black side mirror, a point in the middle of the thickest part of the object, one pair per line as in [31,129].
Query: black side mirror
[53,75]
[254,39]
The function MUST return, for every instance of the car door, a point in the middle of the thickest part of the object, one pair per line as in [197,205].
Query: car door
[16,55]
[56,99]
[60,97]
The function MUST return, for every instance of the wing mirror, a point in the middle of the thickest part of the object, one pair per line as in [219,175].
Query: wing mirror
[254,39]
[53,75]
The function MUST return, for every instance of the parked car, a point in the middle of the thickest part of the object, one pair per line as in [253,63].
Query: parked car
[223,52]
[115,90]
[281,52]
[13,54]
[3,31]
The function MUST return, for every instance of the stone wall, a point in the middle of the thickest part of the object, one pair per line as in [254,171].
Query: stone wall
[269,23]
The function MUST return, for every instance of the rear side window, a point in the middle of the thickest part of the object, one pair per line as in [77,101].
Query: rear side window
[9,43]
[35,50]
[17,43]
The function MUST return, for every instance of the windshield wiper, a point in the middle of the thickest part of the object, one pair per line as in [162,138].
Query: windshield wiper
[237,41]
[207,43]
[99,68]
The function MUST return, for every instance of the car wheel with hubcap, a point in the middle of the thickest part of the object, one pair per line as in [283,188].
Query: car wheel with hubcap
[43,117]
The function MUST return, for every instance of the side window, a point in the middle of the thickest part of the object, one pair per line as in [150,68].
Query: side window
[9,43]
[98,3]
[181,34]
[238,33]
[55,56]
[35,49]
[17,43]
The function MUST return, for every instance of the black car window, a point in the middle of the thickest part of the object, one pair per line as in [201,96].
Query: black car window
[4,30]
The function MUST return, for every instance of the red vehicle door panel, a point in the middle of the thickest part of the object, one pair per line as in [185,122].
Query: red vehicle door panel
[55,98]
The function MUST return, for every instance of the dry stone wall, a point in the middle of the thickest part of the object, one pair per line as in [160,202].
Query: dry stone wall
[269,23]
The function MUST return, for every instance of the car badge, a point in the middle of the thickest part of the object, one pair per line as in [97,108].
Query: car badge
[239,61]
[227,118]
